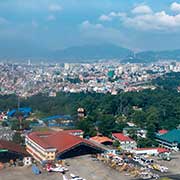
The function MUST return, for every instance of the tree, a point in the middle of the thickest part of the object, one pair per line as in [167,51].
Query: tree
[116,144]
[17,138]
[4,124]
[145,142]
[139,118]
[15,125]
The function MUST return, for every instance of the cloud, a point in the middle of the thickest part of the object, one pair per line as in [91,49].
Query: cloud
[97,32]
[51,18]
[156,21]
[111,15]
[55,7]
[105,18]
[142,9]
[175,7]
[87,25]
[143,18]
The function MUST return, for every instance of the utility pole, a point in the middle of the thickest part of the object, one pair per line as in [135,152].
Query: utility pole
[19,117]
[18,105]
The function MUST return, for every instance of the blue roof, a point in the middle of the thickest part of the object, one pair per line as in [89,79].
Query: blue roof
[11,113]
[171,136]
[50,118]
[60,125]
[26,111]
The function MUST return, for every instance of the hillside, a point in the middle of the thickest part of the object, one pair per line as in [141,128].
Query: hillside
[86,52]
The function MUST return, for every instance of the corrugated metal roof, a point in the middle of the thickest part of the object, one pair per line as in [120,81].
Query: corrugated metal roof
[50,118]
[10,146]
[172,136]
[61,140]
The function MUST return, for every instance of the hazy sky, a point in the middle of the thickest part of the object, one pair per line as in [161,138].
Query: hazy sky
[56,24]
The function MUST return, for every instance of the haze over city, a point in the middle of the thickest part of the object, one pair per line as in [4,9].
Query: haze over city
[38,28]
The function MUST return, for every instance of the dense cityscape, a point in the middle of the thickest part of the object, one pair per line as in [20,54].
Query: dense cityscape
[27,80]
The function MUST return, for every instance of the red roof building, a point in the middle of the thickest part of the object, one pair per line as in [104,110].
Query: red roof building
[50,145]
[122,137]
[126,143]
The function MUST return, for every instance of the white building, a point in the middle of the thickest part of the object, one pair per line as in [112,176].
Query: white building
[150,151]
[126,143]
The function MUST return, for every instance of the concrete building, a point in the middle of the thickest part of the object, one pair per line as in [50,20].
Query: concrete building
[49,146]
[169,140]
[11,151]
[149,151]
[126,143]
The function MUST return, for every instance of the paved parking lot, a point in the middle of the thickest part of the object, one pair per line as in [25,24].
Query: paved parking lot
[173,165]
[94,170]
[82,166]
[85,167]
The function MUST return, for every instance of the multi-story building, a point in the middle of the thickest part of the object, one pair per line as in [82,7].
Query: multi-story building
[49,146]
[169,140]
[126,143]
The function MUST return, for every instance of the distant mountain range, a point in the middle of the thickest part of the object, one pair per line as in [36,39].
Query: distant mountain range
[87,53]
[152,56]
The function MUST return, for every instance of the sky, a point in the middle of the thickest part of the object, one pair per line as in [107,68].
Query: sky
[35,25]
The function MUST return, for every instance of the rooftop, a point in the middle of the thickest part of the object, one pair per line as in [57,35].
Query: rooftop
[101,139]
[61,140]
[122,137]
[11,146]
[159,150]
[50,118]
[71,131]
[172,136]
[162,131]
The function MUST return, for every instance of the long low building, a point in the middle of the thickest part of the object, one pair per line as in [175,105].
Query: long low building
[169,140]
[10,150]
[149,151]
[49,146]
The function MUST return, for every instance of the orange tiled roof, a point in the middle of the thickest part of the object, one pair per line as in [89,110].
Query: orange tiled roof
[101,139]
